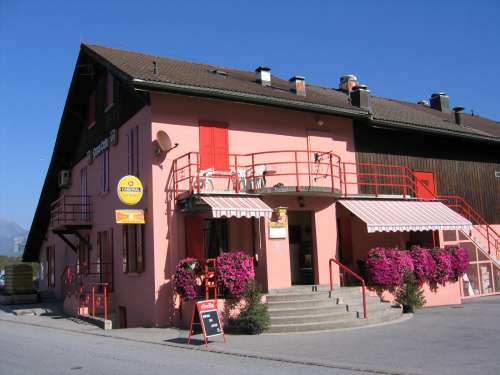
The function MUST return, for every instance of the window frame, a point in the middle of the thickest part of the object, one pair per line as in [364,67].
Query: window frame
[133,256]
[133,151]
[51,266]
[104,172]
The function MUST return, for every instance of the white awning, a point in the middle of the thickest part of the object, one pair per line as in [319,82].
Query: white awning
[223,206]
[406,216]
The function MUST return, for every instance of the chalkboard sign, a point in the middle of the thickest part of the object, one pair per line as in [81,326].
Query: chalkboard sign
[206,316]
[211,323]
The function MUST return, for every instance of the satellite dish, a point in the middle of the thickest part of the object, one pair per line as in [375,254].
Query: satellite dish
[163,141]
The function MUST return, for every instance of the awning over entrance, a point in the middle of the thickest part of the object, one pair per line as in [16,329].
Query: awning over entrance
[406,216]
[237,206]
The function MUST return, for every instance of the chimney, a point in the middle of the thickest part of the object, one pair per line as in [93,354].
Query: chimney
[459,115]
[155,67]
[263,75]
[348,82]
[298,85]
[441,102]
[360,97]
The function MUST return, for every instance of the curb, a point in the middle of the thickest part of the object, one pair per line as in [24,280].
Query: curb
[235,353]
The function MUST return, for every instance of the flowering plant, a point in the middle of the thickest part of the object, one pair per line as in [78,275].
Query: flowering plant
[459,262]
[234,272]
[443,269]
[386,268]
[187,274]
[424,265]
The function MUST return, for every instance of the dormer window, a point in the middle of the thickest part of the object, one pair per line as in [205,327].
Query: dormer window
[91,113]
[109,91]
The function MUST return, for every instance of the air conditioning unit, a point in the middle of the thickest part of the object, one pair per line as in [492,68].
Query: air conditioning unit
[64,179]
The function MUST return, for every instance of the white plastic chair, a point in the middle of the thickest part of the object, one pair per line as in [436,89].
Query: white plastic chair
[257,176]
[202,180]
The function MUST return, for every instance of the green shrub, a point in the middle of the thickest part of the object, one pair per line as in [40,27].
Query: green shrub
[254,318]
[410,295]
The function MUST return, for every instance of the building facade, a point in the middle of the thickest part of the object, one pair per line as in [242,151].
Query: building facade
[226,156]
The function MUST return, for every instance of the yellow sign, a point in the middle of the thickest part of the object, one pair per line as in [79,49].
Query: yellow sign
[130,190]
[130,217]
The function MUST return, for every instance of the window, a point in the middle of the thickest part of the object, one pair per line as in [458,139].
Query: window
[133,162]
[215,240]
[51,266]
[105,257]
[214,147]
[133,248]
[104,171]
[91,113]
[83,262]
[109,91]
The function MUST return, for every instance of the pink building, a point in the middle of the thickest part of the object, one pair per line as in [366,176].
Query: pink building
[219,150]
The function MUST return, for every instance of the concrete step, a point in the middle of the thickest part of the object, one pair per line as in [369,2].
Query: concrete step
[348,322]
[301,303]
[313,318]
[307,310]
[300,289]
[297,296]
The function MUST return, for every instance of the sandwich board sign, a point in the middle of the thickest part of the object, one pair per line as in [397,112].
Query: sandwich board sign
[206,316]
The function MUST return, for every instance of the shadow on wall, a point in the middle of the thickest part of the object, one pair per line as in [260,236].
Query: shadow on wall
[165,301]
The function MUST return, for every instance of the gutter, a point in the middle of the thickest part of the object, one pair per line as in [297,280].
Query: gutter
[403,125]
[247,98]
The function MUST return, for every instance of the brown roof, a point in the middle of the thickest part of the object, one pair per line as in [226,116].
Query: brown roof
[235,84]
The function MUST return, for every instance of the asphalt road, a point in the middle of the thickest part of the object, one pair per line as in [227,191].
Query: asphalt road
[31,350]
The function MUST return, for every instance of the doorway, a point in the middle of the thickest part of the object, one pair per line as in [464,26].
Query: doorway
[301,247]
[426,186]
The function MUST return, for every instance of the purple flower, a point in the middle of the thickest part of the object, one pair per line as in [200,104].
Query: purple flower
[234,272]
[424,265]
[187,271]
[459,262]
[443,268]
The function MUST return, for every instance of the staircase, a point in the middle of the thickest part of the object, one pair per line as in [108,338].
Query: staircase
[314,308]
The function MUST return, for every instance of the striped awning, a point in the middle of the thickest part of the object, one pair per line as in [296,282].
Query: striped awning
[237,206]
[406,216]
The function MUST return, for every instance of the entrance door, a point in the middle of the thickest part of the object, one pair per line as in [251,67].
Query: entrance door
[301,247]
[426,186]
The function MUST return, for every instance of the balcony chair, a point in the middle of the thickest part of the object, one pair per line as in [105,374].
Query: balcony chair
[202,180]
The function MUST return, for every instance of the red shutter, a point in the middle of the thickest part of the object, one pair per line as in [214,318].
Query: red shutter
[221,149]
[194,237]
[206,147]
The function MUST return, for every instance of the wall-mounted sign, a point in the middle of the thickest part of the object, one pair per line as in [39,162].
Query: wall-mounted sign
[130,190]
[111,140]
[278,226]
[130,217]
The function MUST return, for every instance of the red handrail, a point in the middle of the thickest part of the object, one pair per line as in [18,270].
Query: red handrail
[355,275]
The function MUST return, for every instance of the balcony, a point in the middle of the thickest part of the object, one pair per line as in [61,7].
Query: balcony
[289,172]
[71,212]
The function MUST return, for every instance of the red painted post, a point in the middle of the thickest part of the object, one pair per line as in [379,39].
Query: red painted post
[237,187]
[363,288]
[105,302]
[253,172]
[93,302]
[376,184]
[189,174]
[198,177]
[345,179]
[403,176]
[296,171]
[331,171]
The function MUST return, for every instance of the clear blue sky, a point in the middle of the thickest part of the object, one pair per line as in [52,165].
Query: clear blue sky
[404,50]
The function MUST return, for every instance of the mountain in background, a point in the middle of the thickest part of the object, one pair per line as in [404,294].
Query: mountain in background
[12,238]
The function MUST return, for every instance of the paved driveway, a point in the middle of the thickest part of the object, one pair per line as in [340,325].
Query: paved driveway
[446,340]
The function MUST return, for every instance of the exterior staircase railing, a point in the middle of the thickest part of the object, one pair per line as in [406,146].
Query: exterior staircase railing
[353,274]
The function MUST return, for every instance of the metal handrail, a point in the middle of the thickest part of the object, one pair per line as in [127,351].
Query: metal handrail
[355,275]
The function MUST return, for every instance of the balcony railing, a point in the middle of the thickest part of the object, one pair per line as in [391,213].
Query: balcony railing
[290,171]
[71,210]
